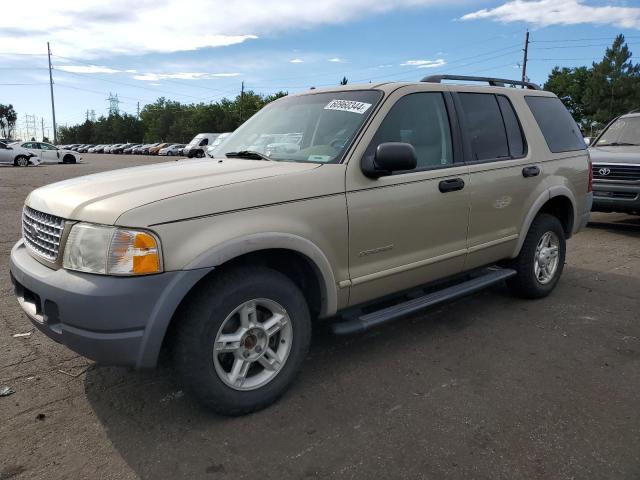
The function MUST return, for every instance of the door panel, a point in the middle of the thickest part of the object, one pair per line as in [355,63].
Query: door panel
[500,198]
[407,229]
[406,232]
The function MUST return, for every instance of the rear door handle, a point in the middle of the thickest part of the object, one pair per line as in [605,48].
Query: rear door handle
[451,185]
[532,171]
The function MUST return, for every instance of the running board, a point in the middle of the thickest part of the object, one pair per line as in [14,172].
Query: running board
[373,319]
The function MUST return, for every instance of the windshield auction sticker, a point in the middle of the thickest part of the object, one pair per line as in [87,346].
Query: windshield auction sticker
[348,106]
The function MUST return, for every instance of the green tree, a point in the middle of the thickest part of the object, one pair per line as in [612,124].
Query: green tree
[595,95]
[8,119]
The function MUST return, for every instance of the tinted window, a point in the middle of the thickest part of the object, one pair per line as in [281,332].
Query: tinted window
[514,131]
[484,126]
[556,123]
[421,120]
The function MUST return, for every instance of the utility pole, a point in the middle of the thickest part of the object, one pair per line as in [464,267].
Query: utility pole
[87,115]
[524,61]
[138,110]
[241,100]
[42,124]
[53,107]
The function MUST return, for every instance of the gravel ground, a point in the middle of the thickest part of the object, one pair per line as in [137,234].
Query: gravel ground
[489,387]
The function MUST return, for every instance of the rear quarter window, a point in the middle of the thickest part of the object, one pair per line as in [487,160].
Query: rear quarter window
[556,124]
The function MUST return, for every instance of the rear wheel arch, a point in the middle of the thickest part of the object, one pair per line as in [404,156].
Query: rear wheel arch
[557,201]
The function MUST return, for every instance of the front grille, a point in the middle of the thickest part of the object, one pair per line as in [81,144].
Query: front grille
[42,233]
[625,173]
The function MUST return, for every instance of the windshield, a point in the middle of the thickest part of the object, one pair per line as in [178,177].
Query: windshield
[307,128]
[624,131]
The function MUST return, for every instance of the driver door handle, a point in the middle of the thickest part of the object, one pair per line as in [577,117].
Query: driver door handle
[451,185]
[532,171]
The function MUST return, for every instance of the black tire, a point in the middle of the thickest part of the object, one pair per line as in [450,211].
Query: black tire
[21,161]
[69,159]
[199,321]
[526,284]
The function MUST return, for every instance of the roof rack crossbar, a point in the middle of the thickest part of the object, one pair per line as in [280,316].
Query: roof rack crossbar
[494,82]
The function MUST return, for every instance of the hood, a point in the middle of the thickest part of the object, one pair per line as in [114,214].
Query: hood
[103,197]
[628,154]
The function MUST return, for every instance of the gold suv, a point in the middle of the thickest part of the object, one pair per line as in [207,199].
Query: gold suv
[320,204]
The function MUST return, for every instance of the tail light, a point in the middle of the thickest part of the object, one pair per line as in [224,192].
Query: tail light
[590,186]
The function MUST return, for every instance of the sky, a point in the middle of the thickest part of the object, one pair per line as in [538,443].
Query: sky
[202,50]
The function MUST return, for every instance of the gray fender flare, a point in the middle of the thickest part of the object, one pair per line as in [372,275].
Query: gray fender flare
[555,191]
[274,240]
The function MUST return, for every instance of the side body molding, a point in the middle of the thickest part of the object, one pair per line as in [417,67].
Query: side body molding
[555,191]
[274,240]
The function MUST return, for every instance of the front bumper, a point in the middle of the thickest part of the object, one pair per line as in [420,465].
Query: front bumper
[616,197]
[112,320]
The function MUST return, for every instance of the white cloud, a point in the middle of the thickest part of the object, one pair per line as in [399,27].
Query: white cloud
[154,77]
[559,12]
[131,71]
[336,60]
[93,28]
[439,62]
[296,60]
[87,69]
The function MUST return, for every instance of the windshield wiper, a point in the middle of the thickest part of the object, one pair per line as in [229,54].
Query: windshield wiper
[618,144]
[248,154]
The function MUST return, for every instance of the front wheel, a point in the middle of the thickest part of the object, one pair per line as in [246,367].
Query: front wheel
[541,259]
[241,339]
[21,161]
[69,159]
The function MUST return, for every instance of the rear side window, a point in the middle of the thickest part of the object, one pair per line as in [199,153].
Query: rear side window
[484,126]
[557,125]
[514,132]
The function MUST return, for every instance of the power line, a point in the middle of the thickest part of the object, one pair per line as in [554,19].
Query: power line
[581,39]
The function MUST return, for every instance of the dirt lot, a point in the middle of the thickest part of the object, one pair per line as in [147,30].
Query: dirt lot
[489,387]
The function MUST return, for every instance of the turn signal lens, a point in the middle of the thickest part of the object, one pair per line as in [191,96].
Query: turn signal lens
[133,253]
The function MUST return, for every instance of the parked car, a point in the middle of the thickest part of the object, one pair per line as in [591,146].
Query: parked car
[129,150]
[145,150]
[109,148]
[154,150]
[402,196]
[196,147]
[219,139]
[172,150]
[51,154]
[615,154]
[120,148]
[17,156]
[85,148]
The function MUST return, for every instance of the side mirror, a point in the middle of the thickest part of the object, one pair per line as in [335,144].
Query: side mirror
[389,157]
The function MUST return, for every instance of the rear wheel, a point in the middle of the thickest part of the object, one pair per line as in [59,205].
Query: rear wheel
[541,258]
[21,161]
[242,339]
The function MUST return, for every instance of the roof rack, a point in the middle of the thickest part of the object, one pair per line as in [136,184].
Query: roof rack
[494,82]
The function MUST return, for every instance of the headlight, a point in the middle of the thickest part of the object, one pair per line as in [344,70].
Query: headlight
[111,250]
